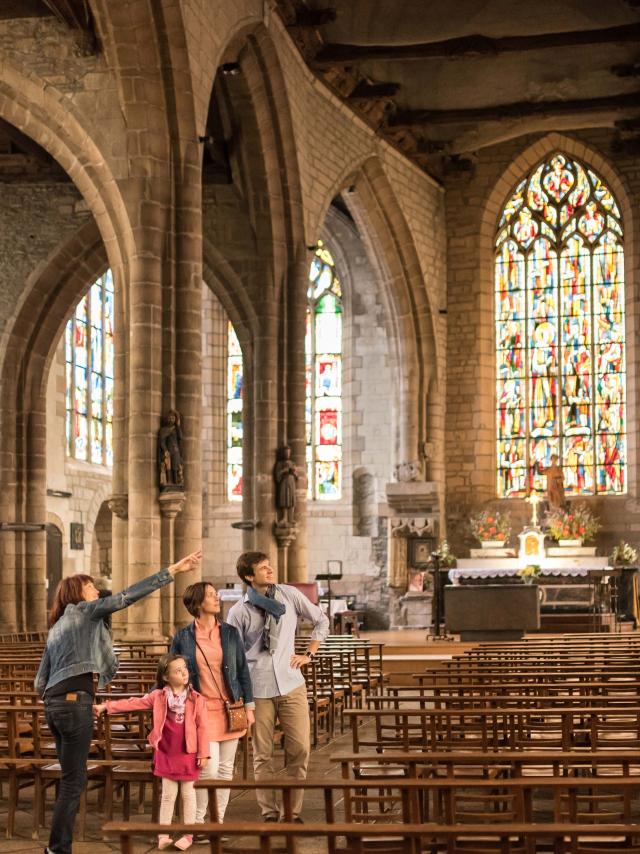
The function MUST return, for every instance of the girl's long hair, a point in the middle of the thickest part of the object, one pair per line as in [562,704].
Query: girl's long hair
[163,666]
[68,592]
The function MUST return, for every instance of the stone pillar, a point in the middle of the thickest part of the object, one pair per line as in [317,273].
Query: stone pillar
[171,504]
[295,311]
[188,369]
[143,618]
[35,594]
[119,501]
[11,392]
[119,506]
[265,408]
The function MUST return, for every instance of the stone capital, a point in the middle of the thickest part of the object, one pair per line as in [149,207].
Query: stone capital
[119,505]
[171,503]
[411,527]
[285,533]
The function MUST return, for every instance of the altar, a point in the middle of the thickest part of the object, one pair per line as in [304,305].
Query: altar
[571,579]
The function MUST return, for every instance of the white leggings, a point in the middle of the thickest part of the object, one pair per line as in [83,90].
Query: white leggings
[218,767]
[168,800]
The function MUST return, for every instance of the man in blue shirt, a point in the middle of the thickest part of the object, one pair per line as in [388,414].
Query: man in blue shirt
[267,618]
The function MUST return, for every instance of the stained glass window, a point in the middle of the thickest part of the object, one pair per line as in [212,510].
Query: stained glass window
[234,416]
[323,349]
[560,369]
[89,375]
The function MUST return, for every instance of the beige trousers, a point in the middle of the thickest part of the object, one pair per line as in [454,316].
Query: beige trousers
[292,710]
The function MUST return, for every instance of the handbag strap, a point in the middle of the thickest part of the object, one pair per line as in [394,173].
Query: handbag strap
[215,681]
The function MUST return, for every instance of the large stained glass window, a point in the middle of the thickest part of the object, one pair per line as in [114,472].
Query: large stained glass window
[323,348]
[89,374]
[234,416]
[559,282]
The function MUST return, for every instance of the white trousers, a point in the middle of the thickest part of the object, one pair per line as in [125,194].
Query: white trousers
[218,767]
[168,800]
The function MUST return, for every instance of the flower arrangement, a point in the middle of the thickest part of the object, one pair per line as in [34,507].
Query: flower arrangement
[576,523]
[447,558]
[529,573]
[488,526]
[623,554]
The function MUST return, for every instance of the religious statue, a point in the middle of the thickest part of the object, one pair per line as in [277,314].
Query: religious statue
[555,485]
[285,474]
[170,468]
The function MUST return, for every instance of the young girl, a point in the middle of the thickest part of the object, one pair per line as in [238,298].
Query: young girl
[179,737]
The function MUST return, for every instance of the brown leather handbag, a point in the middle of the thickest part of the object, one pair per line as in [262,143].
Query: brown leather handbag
[236,716]
[236,712]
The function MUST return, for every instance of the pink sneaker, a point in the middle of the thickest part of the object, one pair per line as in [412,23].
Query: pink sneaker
[164,842]
[184,842]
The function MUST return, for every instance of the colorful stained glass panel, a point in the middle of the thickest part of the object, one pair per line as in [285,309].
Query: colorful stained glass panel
[235,428]
[323,348]
[89,374]
[560,349]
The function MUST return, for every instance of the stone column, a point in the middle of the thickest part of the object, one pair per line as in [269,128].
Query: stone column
[188,368]
[265,408]
[295,317]
[143,618]
[119,501]
[171,504]
[35,594]
[119,506]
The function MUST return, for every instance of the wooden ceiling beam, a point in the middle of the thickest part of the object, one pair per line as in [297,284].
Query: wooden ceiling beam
[375,91]
[632,70]
[313,17]
[470,46]
[520,110]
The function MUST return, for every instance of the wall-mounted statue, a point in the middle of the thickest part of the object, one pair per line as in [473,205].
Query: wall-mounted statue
[170,468]
[555,484]
[285,474]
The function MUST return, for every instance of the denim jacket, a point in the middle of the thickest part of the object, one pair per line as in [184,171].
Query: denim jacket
[81,643]
[234,661]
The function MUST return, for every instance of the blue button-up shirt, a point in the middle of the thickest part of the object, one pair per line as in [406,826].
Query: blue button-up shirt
[271,675]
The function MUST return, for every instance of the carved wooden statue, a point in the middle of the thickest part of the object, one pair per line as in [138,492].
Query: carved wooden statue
[555,485]
[170,466]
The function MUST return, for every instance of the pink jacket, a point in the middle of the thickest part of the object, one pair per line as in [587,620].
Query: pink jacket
[195,718]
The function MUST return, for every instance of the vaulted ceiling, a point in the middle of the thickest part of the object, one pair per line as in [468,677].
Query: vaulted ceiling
[444,79]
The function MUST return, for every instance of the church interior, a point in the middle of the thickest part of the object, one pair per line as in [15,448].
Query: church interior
[350,284]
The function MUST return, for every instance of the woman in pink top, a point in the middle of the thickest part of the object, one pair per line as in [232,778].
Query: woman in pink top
[179,737]
[218,668]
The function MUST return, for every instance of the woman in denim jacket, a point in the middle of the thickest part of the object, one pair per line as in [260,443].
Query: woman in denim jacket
[79,645]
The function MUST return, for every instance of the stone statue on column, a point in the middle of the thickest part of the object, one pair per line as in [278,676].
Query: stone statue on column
[170,464]
[285,475]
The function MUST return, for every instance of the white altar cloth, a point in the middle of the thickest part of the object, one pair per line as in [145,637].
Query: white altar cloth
[504,567]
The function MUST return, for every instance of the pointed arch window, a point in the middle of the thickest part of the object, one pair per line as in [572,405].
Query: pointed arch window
[323,351]
[234,415]
[89,375]
[560,345]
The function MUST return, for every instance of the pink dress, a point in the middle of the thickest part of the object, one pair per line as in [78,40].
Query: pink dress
[171,759]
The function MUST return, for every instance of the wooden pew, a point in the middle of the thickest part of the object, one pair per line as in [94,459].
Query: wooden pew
[497,729]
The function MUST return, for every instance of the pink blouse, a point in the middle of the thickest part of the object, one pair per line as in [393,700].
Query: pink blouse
[213,687]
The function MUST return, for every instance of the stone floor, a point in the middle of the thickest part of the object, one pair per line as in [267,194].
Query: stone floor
[242,806]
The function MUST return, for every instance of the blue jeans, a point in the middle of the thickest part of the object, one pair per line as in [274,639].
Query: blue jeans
[71,722]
